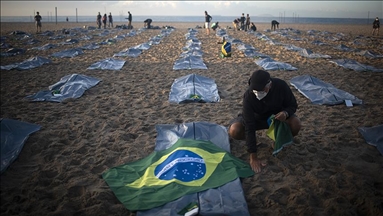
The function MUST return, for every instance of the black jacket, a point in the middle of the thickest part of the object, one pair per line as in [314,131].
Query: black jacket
[243,19]
[279,98]
[208,18]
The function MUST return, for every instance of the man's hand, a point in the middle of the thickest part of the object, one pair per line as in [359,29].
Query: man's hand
[255,163]
[281,116]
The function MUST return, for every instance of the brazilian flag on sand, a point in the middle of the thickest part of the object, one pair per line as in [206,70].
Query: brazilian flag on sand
[189,166]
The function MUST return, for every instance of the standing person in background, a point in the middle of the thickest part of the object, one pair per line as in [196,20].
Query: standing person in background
[243,19]
[208,18]
[376,26]
[98,20]
[129,20]
[38,22]
[67,19]
[104,20]
[247,27]
[110,19]
[274,24]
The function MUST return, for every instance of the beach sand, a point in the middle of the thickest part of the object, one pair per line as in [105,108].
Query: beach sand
[330,170]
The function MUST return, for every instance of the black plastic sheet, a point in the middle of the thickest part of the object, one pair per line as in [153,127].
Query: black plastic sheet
[292,47]
[14,134]
[69,42]
[45,47]
[373,136]
[47,33]
[27,64]
[57,37]
[70,86]
[344,48]
[320,92]
[254,54]
[32,41]
[13,52]
[369,54]
[193,88]
[108,64]
[70,53]
[310,54]
[189,62]
[228,199]
[143,46]
[354,65]
[192,52]
[108,41]
[131,52]
[243,47]
[274,42]
[318,42]
[270,64]
[91,46]
[5,45]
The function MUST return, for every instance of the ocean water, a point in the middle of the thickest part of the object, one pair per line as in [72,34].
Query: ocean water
[118,18]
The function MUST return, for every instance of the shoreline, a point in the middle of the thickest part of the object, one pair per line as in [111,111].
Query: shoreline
[354,29]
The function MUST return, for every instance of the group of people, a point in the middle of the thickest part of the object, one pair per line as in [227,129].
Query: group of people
[103,19]
[243,23]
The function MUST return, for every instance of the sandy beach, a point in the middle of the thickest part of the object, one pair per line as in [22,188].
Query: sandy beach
[330,171]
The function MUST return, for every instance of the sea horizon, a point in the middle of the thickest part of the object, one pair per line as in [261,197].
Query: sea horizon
[219,18]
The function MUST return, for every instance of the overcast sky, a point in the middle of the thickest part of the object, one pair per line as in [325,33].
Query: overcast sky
[330,9]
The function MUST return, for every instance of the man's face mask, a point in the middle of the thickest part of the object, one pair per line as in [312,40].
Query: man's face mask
[261,94]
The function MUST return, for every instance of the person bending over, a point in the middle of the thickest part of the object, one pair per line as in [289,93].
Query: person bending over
[214,26]
[236,24]
[147,23]
[265,96]
[274,24]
